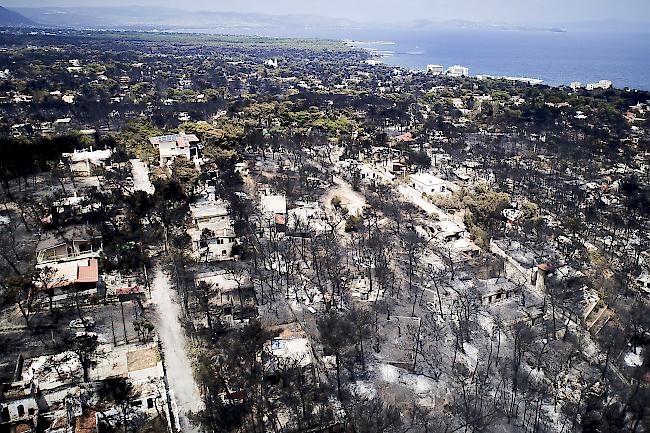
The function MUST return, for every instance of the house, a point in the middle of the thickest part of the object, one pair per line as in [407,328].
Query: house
[80,275]
[521,264]
[212,233]
[70,209]
[497,290]
[644,282]
[449,231]
[86,162]
[602,84]
[292,348]
[458,71]
[435,69]
[233,296]
[407,137]
[46,388]
[306,219]
[373,175]
[428,183]
[572,284]
[362,290]
[73,242]
[172,146]
[19,407]
[274,209]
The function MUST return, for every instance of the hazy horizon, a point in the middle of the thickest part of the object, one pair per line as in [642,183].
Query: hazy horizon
[508,11]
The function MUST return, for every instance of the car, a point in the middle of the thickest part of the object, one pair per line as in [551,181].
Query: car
[85,323]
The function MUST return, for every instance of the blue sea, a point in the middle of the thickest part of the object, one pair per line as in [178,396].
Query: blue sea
[555,57]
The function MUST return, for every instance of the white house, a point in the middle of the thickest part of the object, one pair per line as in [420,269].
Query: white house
[19,406]
[172,146]
[74,242]
[274,208]
[428,183]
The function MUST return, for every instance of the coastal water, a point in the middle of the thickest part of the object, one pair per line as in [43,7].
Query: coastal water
[555,57]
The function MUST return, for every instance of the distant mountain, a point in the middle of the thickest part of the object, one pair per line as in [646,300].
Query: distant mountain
[160,18]
[146,18]
[13,19]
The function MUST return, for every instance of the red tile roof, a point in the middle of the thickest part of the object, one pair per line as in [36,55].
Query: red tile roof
[88,274]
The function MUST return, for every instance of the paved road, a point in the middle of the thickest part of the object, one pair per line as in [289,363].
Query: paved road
[140,174]
[182,384]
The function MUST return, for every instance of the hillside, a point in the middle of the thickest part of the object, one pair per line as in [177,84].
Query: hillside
[11,18]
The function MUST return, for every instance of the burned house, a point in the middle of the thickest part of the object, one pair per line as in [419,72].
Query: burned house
[212,233]
[232,296]
[86,162]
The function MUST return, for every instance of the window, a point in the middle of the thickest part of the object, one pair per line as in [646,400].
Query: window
[30,411]
[224,253]
[150,403]
[5,414]
[21,410]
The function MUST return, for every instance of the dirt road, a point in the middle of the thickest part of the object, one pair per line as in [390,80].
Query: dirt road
[183,386]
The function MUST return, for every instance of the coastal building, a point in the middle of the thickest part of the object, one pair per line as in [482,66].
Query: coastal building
[602,84]
[458,71]
[435,69]
[575,85]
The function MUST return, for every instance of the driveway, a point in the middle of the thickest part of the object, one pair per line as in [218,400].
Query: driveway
[140,173]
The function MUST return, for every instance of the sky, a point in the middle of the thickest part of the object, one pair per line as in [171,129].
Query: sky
[507,11]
